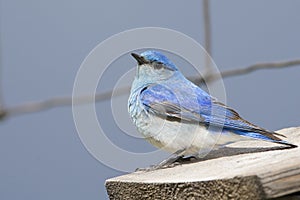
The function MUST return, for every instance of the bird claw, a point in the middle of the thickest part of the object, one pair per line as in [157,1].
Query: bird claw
[156,167]
[146,169]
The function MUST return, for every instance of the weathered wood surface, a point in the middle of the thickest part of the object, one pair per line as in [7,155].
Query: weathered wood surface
[244,170]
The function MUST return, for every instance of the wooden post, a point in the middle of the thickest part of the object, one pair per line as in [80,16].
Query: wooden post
[243,170]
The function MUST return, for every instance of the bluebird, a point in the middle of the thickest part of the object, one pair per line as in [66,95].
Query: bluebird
[176,115]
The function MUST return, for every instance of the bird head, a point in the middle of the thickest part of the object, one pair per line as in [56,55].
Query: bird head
[154,66]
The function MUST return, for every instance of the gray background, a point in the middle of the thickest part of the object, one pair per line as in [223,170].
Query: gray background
[44,42]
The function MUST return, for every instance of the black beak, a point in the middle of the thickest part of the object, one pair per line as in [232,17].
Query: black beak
[140,59]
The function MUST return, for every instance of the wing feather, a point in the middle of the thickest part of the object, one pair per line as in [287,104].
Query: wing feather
[207,111]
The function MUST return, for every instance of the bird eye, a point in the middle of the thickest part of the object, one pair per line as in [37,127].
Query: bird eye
[158,65]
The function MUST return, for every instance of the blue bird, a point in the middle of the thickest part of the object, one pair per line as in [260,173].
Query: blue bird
[174,114]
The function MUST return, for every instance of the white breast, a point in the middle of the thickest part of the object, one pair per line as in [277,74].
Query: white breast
[173,136]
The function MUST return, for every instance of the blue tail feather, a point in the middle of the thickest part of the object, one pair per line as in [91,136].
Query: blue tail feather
[260,136]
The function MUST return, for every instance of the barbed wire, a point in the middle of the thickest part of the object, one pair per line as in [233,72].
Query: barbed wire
[207,35]
[2,112]
[37,106]
[246,70]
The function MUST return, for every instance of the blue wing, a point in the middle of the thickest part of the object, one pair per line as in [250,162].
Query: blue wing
[163,102]
[198,107]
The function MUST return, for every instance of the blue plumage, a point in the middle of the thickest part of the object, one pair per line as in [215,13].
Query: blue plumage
[155,56]
[163,92]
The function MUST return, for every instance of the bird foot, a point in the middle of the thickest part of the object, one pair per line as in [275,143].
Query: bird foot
[156,167]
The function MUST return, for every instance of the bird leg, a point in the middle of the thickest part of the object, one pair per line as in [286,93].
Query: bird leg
[169,162]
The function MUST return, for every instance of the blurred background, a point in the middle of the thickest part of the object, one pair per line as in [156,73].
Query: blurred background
[44,42]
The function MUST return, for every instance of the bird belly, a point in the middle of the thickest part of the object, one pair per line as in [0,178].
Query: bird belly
[172,136]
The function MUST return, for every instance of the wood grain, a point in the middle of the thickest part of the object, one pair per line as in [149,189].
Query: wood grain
[244,170]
